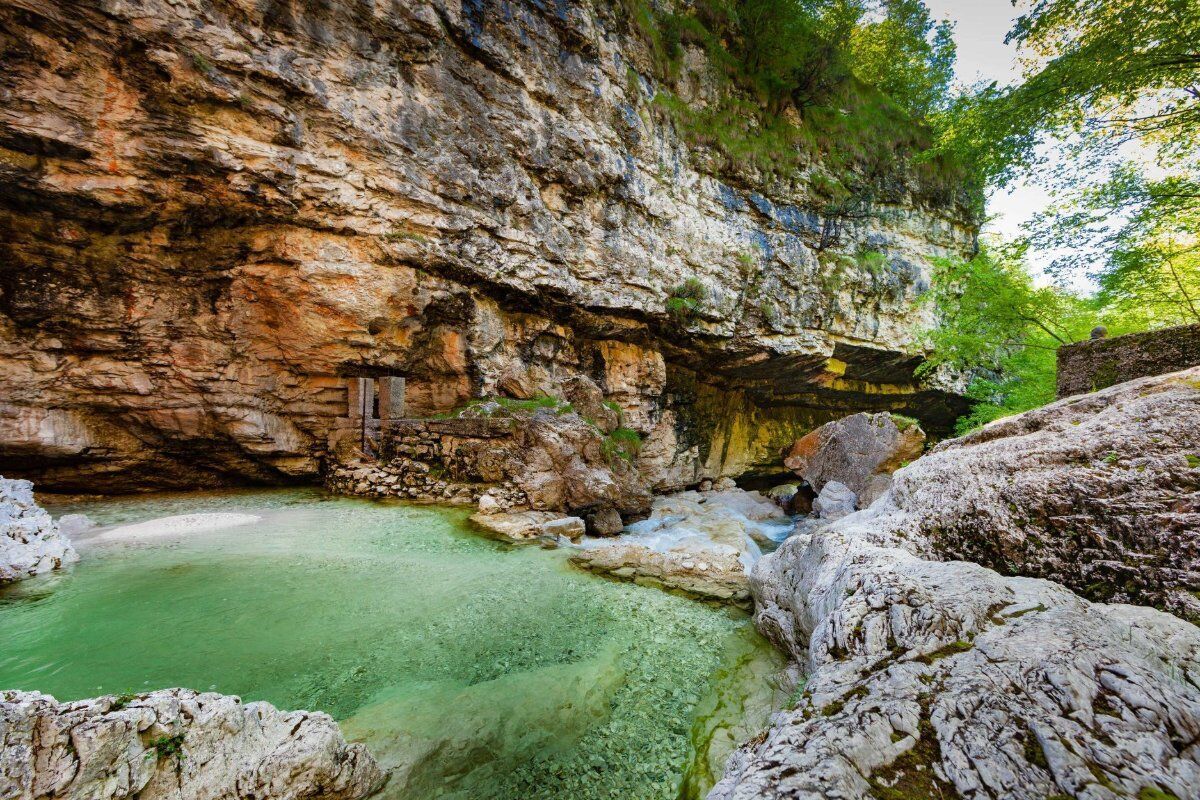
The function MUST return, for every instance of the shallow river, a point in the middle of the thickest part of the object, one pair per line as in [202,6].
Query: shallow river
[471,669]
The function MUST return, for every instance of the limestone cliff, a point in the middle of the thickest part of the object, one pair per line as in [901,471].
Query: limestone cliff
[213,213]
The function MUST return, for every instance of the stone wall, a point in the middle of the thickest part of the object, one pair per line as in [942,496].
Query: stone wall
[1100,363]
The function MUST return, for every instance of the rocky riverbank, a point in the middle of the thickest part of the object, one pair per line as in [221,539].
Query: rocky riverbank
[174,743]
[700,543]
[927,678]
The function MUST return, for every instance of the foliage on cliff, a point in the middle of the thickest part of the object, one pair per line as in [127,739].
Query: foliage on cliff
[845,83]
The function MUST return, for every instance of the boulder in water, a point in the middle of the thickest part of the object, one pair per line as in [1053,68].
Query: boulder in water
[30,542]
[72,524]
[528,526]
[835,501]
[604,522]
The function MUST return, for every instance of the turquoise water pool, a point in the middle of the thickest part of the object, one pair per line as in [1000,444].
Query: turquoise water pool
[470,668]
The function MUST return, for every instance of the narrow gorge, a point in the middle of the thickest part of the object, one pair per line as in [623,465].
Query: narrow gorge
[511,399]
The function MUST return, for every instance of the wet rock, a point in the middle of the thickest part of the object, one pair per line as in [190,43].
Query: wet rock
[568,528]
[792,498]
[604,522]
[175,744]
[835,501]
[700,543]
[944,678]
[526,526]
[30,542]
[713,575]
[860,451]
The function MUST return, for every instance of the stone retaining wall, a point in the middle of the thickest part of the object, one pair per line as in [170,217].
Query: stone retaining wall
[1099,363]
[453,461]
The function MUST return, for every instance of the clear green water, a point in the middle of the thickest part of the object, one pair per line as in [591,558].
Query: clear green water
[471,669]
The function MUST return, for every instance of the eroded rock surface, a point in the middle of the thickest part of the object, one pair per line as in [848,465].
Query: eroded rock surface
[1099,492]
[177,744]
[30,541]
[699,543]
[213,214]
[940,678]
[860,452]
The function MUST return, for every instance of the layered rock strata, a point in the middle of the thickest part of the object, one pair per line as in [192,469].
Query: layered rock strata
[214,215]
[30,541]
[178,744]
[931,678]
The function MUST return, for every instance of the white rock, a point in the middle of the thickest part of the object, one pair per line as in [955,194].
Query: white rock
[174,744]
[835,501]
[961,682]
[30,542]
[71,524]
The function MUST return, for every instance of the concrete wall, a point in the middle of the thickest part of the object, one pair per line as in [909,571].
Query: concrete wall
[1099,363]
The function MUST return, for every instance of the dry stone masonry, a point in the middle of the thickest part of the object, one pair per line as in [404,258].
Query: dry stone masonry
[1099,363]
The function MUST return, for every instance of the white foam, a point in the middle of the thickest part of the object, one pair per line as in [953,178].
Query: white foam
[178,525]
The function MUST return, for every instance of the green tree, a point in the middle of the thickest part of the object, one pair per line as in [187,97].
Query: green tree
[1002,330]
[906,55]
[1117,84]
[1107,71]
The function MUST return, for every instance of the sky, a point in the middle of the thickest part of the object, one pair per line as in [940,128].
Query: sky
[979,30]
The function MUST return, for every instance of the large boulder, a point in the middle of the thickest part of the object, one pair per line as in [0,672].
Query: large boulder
[1100,492]
[929,677]
[30,541]
[860,451]
[176,744]
[563,462]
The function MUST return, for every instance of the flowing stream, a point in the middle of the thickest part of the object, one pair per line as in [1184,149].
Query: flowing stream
[471,669]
